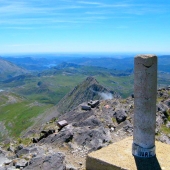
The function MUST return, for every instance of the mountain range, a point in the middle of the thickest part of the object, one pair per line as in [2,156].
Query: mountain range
[106,61]
[8,69]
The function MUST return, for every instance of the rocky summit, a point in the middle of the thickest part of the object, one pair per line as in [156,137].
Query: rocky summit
[64,142]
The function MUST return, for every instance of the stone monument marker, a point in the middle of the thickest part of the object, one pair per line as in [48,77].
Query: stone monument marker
[145,93]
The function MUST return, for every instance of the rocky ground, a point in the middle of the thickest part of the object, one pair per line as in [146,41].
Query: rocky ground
[87,130]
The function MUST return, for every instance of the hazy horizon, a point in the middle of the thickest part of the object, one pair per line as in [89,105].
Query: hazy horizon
[77,55]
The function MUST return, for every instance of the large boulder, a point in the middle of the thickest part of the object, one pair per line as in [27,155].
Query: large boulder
[51,162]
[92,138]
[65,135]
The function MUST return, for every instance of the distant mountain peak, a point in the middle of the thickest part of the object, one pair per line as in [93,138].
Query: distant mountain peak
[91,80]
[8,69]
[89,89]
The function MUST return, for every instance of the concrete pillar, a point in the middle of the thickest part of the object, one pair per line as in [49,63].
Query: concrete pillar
[145,93]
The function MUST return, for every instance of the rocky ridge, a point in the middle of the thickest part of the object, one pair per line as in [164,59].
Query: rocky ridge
[66,148]
[90,89]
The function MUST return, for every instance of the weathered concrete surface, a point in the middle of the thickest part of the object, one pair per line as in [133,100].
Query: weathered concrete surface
[118,156]
[145,91]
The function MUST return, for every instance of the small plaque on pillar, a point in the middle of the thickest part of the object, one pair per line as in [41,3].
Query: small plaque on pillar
[142,152]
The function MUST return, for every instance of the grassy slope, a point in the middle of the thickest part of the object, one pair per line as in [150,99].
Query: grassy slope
[51,90]
[18,114]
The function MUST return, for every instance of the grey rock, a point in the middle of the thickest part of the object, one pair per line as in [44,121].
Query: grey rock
[63,136]
[22,152]
[74,117]
[45,134]
[71,167]
[168,124]
[167,102]
[162,107]
[3,159]
[18,148]
[165,139]
[85,107]
[93,104]
[132,95]
[159,120]
[120,115]
[85,129]
[11,148]
[62,123]
[11,168]
[31,150]
[21,163]
[52,162]
[92,138]
[92,121]
[126,126]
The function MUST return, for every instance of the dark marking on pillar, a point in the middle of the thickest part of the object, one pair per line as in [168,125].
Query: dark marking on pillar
[147,66]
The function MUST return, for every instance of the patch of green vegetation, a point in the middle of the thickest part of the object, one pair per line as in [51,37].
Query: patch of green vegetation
[159,99]
[110,142]
[6,145]
[3,99]
[167,114]
[19,116]
[24,141]
[114,120]
[165,129]
[123,101]
[53,120]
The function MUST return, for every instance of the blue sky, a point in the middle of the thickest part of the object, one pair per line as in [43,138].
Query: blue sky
[49,26]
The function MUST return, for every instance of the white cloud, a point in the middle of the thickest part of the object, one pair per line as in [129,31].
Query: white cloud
[106,96]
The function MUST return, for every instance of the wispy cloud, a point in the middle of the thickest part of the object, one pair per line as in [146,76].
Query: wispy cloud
[89,3]
[23,13]
[21,45]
